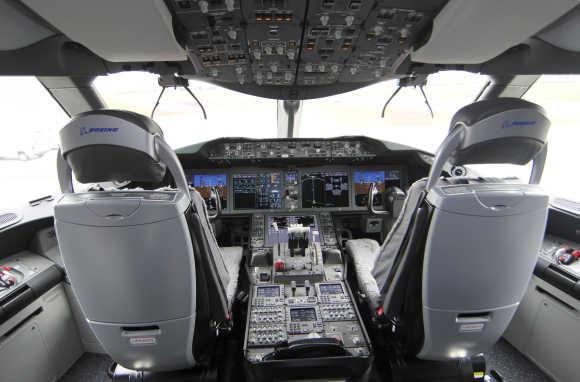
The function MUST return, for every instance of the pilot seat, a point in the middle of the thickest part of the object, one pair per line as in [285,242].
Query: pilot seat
[447,280]
[154,285]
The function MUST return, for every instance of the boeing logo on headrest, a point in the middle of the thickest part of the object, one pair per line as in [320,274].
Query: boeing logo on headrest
[516,123]
[85,131]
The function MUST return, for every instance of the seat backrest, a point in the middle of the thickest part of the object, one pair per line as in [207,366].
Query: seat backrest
[461,254]
[137,261]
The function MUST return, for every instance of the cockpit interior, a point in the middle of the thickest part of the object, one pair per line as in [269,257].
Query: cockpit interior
[283,252]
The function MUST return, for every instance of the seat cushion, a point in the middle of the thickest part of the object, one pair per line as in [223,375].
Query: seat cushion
[363,253]
[232,258]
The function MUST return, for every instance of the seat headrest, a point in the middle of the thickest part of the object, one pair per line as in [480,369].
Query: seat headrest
[112,145]
[502,130]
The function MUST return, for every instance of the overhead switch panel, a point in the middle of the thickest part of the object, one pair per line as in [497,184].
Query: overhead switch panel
[299,42]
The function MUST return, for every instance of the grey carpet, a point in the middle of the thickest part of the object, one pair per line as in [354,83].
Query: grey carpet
[512,365]
[90,367]
[503,357]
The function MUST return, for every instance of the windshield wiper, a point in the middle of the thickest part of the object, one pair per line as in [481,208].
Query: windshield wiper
[414,81]
[171,81]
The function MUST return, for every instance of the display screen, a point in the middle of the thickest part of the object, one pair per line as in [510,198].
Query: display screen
[325,189]
[268,291]
[203,184]
[382,179]
[302,314]
[330,289]
[257,191]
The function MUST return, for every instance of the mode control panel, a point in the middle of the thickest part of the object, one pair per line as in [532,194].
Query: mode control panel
[281,150]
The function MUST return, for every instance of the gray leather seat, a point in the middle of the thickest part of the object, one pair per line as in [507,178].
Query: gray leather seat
[364,252]
[145,265]
[454,267]
[228,259]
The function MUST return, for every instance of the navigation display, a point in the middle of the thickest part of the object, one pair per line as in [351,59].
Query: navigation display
[203,184]
[257,191]
[382,179]
[325,189]
[302,314]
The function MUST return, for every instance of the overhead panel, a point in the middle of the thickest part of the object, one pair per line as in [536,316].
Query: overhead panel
[300,42]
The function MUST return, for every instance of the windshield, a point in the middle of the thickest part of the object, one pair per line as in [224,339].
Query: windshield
[31,120]
[560,97]
[229,113]
[407,118]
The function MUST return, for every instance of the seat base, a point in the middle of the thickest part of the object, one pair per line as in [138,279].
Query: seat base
[233,259]
[363,253]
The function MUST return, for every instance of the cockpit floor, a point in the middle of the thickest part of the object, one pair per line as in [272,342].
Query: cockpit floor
[503,357]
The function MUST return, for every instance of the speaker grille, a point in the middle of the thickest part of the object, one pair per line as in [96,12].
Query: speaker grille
[8,219]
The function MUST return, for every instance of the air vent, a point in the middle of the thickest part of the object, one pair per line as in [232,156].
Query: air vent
[7,219]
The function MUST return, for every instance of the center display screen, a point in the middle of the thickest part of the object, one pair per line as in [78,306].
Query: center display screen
[257,191]
[325,189]
[203,184]
[382,179]
[302,314]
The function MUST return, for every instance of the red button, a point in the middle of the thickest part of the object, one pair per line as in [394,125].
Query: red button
[279,266]
[5,268]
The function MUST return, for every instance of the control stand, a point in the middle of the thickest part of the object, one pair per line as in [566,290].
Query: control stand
[305,330]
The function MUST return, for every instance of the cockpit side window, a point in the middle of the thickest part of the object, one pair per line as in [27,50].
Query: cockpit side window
[560,96]
[29,124]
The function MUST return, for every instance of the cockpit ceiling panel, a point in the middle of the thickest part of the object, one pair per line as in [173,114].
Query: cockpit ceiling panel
[117,31]
[284,43]
[475,31]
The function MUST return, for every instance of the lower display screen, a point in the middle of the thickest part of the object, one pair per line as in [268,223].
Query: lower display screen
[330,289]
[268,291]
[257,191]
[383,179]
[302,314]
[203,184]
[325,189]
